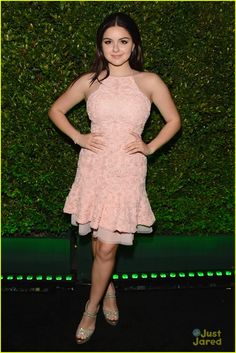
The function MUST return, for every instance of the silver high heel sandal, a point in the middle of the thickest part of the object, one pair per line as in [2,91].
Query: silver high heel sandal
[111,316]
[85,333]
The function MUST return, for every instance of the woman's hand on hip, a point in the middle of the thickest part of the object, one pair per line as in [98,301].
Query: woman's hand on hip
[137,146]
[91,141]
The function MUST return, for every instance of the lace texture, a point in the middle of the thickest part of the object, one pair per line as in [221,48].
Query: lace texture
[108,195]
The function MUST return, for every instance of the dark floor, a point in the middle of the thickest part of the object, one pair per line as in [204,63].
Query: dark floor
[150,321]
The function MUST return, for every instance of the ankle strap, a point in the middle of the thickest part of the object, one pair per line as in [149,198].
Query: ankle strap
[91,315]
[109,295]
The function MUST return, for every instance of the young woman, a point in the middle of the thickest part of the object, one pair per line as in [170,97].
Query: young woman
[108,196]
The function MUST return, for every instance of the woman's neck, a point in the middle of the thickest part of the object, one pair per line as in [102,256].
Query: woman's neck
[120,71]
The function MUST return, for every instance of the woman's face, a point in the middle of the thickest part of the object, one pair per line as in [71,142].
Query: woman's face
[117,45]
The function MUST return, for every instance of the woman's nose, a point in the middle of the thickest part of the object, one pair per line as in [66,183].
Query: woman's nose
[115,47]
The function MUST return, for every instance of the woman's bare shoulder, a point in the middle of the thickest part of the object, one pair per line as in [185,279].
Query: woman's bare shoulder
[82,84]
[150,77]
[149,82]
[84,79]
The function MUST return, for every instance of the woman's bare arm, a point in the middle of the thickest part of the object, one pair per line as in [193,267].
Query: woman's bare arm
[161,97]
[72,96]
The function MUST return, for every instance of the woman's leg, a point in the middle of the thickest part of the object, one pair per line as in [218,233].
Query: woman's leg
[103,265]
[110,302]
[102,268]
[110,288]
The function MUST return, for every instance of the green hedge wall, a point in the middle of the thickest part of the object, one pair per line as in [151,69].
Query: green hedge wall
[45,45]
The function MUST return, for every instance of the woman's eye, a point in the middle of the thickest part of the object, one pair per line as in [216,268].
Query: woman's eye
[124,42]
[107,42]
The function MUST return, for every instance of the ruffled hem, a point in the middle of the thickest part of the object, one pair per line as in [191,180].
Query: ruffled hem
[117,205]
[108,236]
[111,207]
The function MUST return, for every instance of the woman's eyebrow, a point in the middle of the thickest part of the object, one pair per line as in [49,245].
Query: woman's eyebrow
[119,38]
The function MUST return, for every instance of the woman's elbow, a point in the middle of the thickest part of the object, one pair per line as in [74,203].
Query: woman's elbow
[179,124]
[51,112]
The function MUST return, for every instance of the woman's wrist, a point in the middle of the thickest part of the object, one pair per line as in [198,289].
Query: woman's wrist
[150,149]
[76,138]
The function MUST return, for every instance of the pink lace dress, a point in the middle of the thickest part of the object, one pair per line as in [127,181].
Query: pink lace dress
[108,196]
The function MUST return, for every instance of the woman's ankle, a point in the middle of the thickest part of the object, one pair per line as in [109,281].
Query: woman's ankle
[110,288]
[92,306]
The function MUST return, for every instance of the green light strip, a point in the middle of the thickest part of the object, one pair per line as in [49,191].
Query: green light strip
[124,276]
[36,277]
[190,274]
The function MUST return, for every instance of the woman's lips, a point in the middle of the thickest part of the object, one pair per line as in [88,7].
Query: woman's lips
[116,56]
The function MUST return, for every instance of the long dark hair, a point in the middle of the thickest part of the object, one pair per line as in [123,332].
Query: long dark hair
[136,57]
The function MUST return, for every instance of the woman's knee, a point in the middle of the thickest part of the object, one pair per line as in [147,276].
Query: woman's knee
[106,251]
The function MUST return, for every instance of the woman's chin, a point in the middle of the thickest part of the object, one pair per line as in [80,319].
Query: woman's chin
[117,62]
